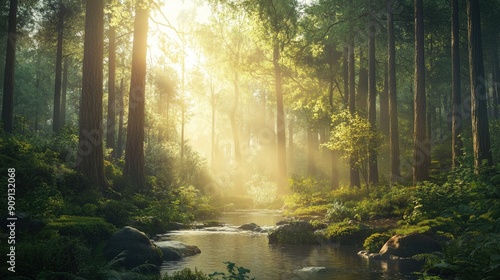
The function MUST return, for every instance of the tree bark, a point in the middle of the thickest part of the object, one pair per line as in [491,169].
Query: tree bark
[479,109]
[213,103]
[134,151]
[372,107]
[395,174]
[64,91]
[280,124]
[291,151]
[362,96]
[420,140]
[238,182]
[496,78]
[353,168]
[119,144]
[56,116]
[312,144]
[384,105]
[10,60]
[334,171]
[111,118]
[456,96]
[90,158]
[345,76]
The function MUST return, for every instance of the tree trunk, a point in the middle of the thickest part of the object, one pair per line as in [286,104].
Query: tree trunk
[291,155]
[64,91]
[334,172]
[479,110]
[213,103]
[238,182]
[456,96]
[345,76]
[119,144]
[90,158]
[56,116]
[10,60]
[420,141]
[496,78]
[280,124]
[111,119]
[395,174]
[353,166]
[312,139]
[384,105]
[372,107]
[362,96]
[134,151]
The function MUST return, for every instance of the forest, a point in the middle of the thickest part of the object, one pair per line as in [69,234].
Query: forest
[277,134]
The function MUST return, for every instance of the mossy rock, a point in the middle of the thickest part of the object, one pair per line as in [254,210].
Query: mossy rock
[375,242]
[348,233]
[296,233]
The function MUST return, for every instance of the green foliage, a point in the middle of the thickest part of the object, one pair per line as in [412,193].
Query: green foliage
[351,136]
[338,212]
[118,213]
[309,197]
[90,229]
[57,254]
[375,242]
[186,274]
[235,272]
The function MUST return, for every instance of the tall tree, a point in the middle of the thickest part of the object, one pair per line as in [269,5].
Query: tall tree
[64,92]
[420,140]
[372,99]
[384,120]
[90,159]
[134,151]
[10,59]
[456,96]
[395,173]
[496,77]
[278,19]
[56,116]
[111,117]
[280,121]
[121,102]
[353,162]
[479,110]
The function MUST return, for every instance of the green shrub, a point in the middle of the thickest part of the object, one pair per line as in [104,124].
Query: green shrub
[118,213]
[58,254]
[338,212]
[187,274]
[375,242]
[235,272]
[93,230]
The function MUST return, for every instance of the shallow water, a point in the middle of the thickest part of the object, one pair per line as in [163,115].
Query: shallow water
[251,250]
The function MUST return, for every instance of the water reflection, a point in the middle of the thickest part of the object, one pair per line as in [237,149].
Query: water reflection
[251,250]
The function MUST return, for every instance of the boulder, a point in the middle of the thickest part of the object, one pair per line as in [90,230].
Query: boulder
[170,254]
[299,233]
[183,250]
[136,247]
[250,226]
[410,245]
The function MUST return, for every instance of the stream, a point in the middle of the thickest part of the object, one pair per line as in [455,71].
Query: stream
[252,251]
